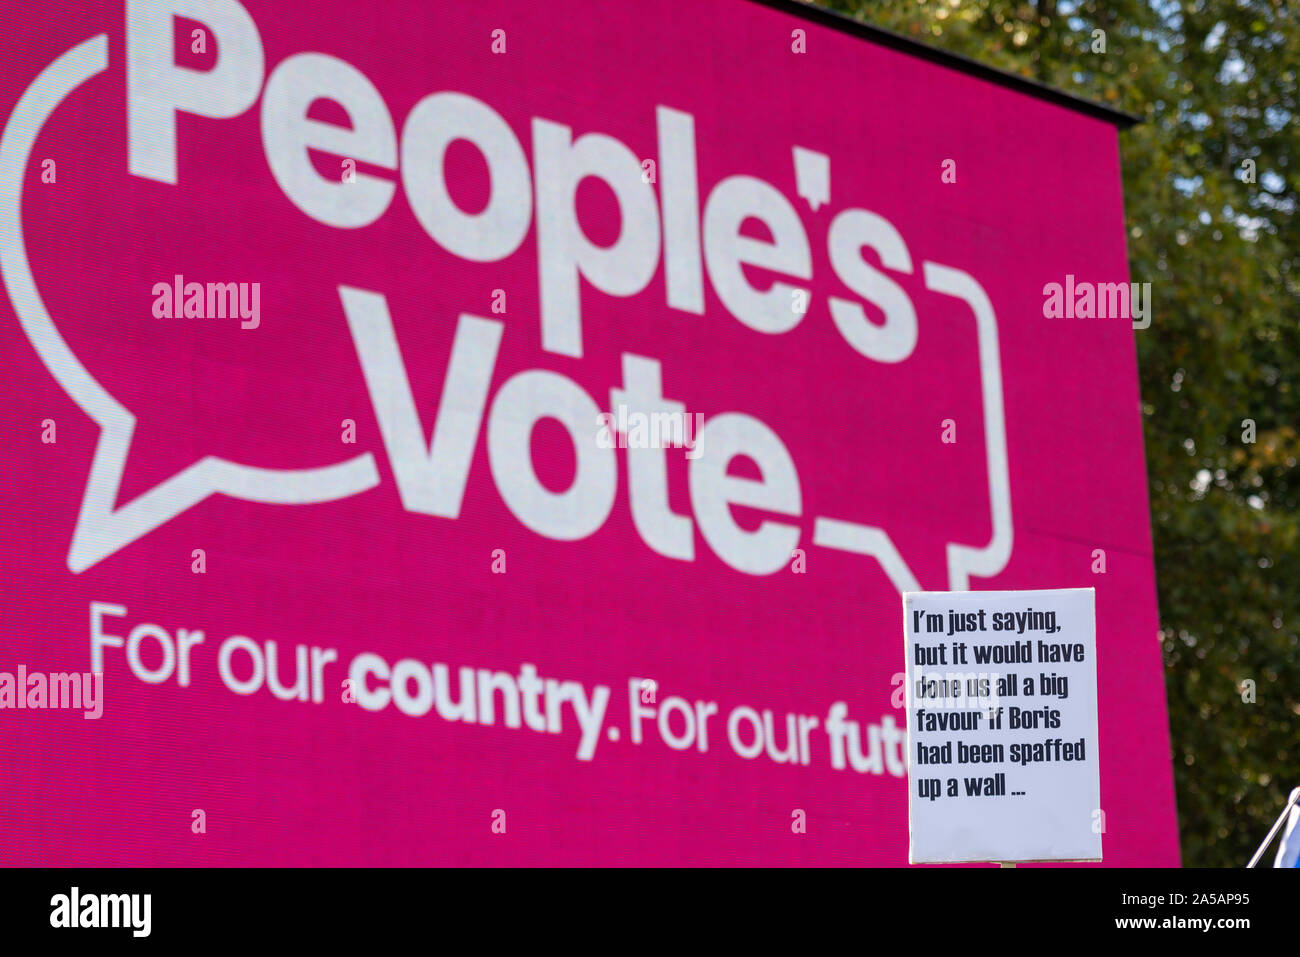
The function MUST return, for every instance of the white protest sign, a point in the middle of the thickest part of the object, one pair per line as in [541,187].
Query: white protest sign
[1002,726]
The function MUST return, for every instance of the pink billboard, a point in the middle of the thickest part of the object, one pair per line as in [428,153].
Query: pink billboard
[501,433]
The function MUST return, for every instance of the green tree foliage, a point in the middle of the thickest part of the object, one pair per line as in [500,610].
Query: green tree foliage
[1215,83]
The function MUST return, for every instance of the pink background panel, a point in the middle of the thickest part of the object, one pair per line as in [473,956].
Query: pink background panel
[1037,196]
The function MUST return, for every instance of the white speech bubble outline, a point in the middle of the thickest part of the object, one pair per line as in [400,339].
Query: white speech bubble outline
[102,528]
[813,174]
[963,560]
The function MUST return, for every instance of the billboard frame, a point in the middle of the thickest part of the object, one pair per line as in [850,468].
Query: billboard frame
[953,61]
